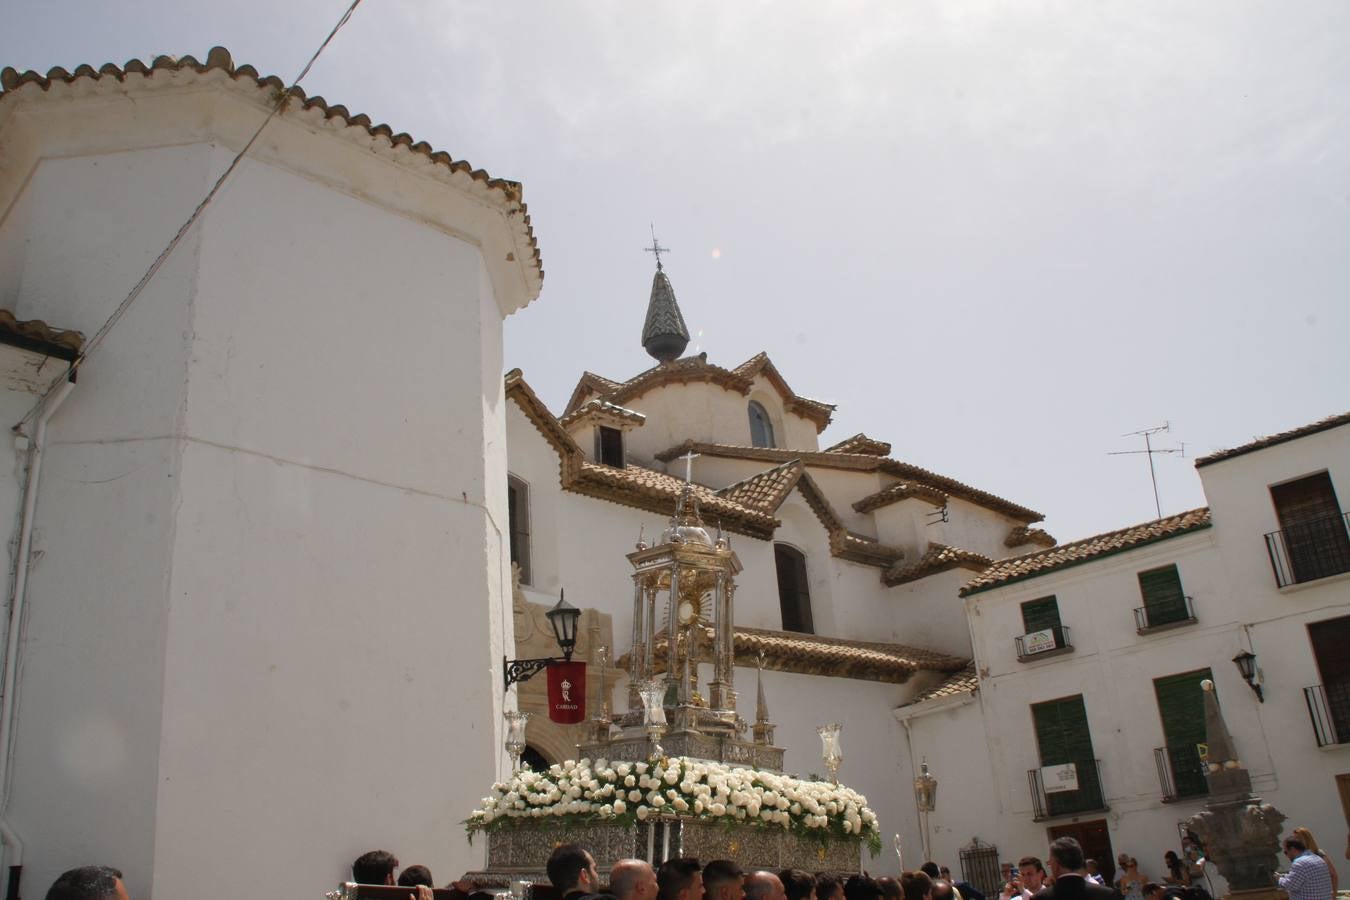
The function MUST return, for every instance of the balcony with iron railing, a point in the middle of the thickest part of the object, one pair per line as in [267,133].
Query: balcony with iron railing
[1067,797]
[1329,709]
[1181,772]
[1050,641]
[1162,616]
[1310,550]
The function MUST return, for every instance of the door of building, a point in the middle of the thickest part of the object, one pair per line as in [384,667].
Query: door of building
[1095,840]
[1329,639]
[1314,530]
[1181,705]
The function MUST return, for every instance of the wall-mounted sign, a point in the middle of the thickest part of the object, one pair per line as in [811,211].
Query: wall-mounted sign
[1038,641]
[1059,779]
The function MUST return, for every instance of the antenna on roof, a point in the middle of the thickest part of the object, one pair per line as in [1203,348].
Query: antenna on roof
[1149,449]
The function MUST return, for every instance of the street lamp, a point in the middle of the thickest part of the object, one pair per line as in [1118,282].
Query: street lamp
[563,619]
[1246,663]
[925,798]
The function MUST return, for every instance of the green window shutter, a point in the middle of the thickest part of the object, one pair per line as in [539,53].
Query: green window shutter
[1062,736]
[1181,706]
[1164,599]
[1038,615]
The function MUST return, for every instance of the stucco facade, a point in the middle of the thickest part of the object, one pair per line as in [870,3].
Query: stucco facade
[269,538]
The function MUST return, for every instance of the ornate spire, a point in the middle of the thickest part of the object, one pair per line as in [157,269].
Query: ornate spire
[664,334]
[763,729]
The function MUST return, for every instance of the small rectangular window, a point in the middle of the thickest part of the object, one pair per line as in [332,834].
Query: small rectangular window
[609,446]
[518,514]
[1038,615]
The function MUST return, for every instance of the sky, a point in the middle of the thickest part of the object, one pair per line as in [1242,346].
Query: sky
[999,234]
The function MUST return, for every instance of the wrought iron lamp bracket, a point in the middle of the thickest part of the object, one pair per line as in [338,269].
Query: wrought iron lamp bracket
[515,671]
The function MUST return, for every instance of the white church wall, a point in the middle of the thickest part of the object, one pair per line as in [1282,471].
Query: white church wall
[844,488]
[534,461]
[930,613]
[972,527]
[802,530]
[718,471]
[904,525]
[262,493]
[86,751]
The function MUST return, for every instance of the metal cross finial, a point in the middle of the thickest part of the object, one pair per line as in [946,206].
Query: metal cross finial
[657,249]
[689,466]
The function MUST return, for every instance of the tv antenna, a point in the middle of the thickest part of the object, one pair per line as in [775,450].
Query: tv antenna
[1150,450]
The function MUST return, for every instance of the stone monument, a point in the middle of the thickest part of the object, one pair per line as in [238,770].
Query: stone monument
[1241,835]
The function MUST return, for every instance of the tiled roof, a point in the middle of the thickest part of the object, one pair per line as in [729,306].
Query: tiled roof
[768,489]
[938,558]
[965,681]
[1018,568]
[901,490]
[218,59]
[844,543]
[602,409]
[633,486]
[1023,534]
[1270,441]
[38,336]
[863,463]
[860,443]
[812,654]
[698,369]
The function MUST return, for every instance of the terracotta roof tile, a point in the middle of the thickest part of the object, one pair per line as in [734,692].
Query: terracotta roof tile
[768,489]
[602,409]
[633,486]
[697,369]
[860,443]
[938,558]
[38,336]
[1030,565]
[966,681]
[12,81]
[901,490]
[863,463]
[1270,441]
[813,654]
[1022,534]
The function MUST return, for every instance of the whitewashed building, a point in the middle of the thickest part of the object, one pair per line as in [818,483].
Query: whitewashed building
[261,582]
[1091,654]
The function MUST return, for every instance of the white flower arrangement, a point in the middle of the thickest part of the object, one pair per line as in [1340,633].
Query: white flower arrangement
[620,792]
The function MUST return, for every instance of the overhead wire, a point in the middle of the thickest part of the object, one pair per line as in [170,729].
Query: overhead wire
[97,339]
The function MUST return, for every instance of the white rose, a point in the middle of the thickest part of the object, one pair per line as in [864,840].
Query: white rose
[848,827]
[622,770]
[672,794]
[766,815]
[630,781]
[679,803]
[640,768]
[487,816]
[698,806]
[795,809]
[658,801]
[642,813]
[718,809]
[620,807]
[687,787]
[672,776]
[634,796]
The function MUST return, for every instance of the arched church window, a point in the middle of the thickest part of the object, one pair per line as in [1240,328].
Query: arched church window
[518,515]
[794,597]
[761,429]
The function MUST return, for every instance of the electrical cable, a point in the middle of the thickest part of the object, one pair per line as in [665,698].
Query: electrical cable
[93,343]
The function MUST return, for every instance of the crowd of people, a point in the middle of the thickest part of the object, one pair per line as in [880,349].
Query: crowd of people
[1064,875]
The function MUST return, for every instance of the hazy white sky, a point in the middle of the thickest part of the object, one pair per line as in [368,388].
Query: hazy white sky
[998,234]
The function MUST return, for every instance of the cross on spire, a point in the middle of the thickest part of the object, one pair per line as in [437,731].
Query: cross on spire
[656,249]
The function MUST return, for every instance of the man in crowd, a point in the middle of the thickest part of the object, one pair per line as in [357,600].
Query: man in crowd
[415,875]
[797,884]
[722,880]
[1032,872]
[763,885]
[1068,869]
[1308,877]
[1093,875]
[375,867]
[571,870]
[679,879]
[829,886]
[632,879]
[916,885]
[88,883]
[964,889]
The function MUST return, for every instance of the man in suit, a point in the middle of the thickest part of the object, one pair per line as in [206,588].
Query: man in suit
[1067,867]
[571,870]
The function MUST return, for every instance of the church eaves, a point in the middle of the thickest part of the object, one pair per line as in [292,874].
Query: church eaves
[314,111]
[697,369]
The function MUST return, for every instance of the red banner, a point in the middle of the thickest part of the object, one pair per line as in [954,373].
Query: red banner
[567,692]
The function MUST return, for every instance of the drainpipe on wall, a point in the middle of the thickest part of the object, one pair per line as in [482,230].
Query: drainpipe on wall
[16,607]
